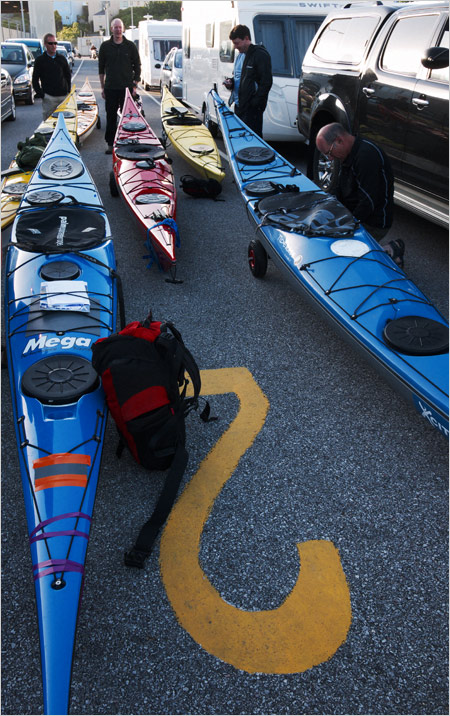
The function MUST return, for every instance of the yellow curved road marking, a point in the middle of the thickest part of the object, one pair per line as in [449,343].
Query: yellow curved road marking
[312,622]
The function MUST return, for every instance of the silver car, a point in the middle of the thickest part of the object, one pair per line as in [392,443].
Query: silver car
[61,50]
[70,53]
[8,103]
[172,72]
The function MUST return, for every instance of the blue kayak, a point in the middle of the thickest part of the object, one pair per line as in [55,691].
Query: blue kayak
[341,269]
[60,297]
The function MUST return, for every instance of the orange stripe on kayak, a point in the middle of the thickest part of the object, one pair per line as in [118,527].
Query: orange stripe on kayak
[62,458]
[43,483]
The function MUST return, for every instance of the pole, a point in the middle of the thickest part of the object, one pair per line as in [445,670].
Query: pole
[23,19]
[106,6]
[131,6]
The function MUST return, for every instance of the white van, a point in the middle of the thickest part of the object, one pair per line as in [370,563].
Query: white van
[132,33]
[156,38]
[284,28]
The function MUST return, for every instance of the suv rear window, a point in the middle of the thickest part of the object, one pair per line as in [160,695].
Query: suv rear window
[441,75]
[406,44]
[345,39]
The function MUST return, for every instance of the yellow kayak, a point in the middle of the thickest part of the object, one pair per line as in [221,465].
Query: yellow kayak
[87,111]
[69,107]
[191,139]
[12,189]
[15,184]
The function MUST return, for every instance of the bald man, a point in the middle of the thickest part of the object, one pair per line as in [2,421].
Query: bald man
[365,182]
[118,59]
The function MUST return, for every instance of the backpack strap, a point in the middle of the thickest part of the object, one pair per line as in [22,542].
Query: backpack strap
[187,363]
[142,548]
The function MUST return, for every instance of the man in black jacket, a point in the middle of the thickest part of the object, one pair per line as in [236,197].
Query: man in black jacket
[365,182]
[119,60]
[51,76]
[252,79]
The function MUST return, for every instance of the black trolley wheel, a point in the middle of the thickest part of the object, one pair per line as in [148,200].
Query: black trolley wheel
[257,258]
[113,184]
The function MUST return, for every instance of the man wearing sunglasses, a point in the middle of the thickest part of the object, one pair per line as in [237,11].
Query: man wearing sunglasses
[51,76]
[365,182]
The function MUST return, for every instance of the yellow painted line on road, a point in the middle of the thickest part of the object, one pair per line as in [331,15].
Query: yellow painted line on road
[312,622]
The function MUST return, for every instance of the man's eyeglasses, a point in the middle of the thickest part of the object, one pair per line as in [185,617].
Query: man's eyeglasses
[51,43]
[327,154]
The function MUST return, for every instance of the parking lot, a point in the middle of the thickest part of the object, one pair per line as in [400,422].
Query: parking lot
[304,569]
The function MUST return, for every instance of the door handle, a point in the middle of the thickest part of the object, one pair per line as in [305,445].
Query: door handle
[420,103]
[368,91]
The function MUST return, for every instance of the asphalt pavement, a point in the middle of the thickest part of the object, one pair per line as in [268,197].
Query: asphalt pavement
[340,460]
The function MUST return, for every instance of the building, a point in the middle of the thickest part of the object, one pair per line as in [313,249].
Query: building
[69,10]
[41,17]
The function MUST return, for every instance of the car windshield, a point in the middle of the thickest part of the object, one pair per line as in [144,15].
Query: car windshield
[33,46]
[13,55]
[61,51]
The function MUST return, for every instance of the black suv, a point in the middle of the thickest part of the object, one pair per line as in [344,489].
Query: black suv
[382,71]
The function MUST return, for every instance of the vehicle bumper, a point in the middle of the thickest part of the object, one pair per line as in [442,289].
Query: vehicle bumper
[22,91]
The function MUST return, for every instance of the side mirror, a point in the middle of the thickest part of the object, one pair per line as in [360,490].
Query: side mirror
[435,58]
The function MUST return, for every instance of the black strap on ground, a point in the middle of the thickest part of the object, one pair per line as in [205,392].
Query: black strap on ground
[136,556]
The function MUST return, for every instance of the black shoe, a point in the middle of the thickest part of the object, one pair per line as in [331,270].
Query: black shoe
[109,150]
[396,250]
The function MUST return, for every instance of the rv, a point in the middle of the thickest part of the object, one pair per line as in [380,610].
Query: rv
[284,28]
[132,33]
[156,38]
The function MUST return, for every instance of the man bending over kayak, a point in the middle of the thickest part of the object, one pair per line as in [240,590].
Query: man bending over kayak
[365,184]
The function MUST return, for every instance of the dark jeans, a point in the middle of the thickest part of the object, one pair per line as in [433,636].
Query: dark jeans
[253,118]
[113,101]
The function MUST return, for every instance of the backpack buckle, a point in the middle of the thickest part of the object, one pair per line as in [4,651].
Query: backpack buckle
[135,558]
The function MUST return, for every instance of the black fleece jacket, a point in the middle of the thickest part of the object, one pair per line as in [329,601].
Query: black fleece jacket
[256,79]
[366,184]
[120,63]
[51,75]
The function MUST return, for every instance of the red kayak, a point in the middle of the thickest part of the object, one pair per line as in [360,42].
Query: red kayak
[142,173]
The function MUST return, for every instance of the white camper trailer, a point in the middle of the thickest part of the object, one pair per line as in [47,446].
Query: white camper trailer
[284,28]
[132,33]
[156,38]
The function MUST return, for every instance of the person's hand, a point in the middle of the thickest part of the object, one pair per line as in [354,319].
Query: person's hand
[39,94]
[103,94]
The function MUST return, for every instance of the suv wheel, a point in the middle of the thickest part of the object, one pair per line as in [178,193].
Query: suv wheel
[325,171]
[30,98]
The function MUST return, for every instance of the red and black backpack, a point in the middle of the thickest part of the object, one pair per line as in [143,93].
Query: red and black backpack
[143,370]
